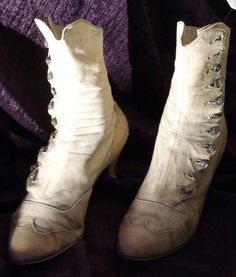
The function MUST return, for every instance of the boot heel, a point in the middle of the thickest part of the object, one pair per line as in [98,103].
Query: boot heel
[120,137]
[112,168]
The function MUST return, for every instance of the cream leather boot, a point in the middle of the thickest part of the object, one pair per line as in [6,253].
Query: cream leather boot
[189,145]
[90,132]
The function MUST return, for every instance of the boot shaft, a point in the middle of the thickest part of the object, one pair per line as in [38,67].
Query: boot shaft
[198,82]
[78,77]
[76,51]
[192,131]
[82,111]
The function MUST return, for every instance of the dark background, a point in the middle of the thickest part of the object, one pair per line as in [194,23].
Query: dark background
[139,45]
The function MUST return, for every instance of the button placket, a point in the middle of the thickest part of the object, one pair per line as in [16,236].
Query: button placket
[53,135]
[188,189]
[200,164]
[214,131]
[217,83]
[33,175]
[213,73]
[35,168]
[210,148]
[215,116]
[219,100]
[53,91]
[48,60]
[45,44]
[50,76]
[192,176]
[51,105]
[54,122]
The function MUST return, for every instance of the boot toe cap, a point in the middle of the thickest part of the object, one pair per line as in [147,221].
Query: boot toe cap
[27,245]
[137,242]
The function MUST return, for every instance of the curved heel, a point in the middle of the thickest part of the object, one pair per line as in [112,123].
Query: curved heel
[112,168]
[121,134]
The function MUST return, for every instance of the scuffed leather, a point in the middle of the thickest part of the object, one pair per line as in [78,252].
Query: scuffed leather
[90,132]
[166,211]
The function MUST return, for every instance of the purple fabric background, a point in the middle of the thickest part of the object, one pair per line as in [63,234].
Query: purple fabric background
[139,45]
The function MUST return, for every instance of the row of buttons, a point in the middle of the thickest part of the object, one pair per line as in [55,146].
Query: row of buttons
[202,164]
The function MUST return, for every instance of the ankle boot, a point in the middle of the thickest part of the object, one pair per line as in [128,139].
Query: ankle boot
[189,145]
[90,132]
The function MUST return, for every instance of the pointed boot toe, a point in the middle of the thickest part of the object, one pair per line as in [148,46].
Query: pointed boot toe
[28,244]
[139,242]
[40,232]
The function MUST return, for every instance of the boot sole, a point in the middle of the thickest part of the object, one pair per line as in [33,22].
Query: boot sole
[146,259]
[50,257]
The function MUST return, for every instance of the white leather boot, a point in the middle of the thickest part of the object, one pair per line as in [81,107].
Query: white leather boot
[90,132]
[189,145]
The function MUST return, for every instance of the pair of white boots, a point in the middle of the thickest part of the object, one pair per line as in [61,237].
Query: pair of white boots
[91,130]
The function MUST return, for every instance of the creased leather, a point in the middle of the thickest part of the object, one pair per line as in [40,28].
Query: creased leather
[189,145]
[85,142]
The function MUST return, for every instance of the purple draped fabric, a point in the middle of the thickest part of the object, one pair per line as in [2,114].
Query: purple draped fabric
[139,48]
